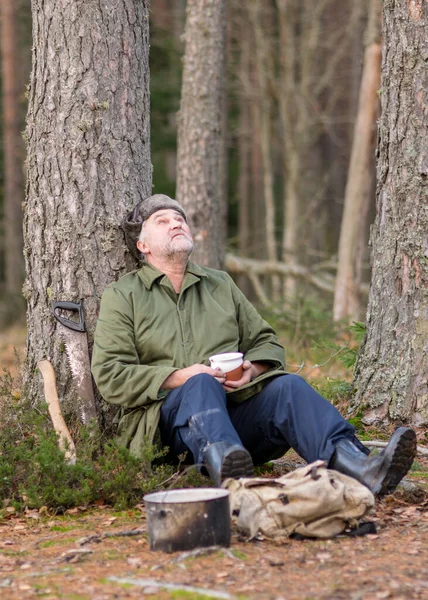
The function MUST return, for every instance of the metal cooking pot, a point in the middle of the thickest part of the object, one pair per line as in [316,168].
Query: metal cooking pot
[187,519]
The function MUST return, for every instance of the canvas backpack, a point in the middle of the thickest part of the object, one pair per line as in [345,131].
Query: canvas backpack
[312,501]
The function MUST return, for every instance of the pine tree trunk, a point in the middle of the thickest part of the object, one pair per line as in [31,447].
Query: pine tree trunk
[88,161]
[201,136]
[358,187]
[392,369]
[12,145]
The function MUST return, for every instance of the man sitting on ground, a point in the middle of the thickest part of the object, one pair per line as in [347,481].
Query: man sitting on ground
[157,328]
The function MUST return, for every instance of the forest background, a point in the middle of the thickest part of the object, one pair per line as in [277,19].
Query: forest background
[276,167]
[293,81]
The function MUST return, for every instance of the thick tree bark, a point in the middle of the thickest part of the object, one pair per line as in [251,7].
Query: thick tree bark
[392,370]
[201,136]
[358,187]
[12,146]
[88,161]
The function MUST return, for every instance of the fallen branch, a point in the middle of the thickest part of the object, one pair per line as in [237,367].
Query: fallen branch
[65,441]
[153,583]
[74,555]
[203,552]
[378,444]
[98,537]
[196,552]
[176,476]
[253,269]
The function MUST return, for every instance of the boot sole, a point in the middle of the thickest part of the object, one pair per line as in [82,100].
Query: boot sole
[236,464]
[401,452]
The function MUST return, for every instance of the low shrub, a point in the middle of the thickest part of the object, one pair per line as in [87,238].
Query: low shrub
[34,472]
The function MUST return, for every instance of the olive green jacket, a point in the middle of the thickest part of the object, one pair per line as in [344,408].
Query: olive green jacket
[146,331]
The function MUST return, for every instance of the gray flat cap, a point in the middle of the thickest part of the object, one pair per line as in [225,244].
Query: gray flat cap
[133,222]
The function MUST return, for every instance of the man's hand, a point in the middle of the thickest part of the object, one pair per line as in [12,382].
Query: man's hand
[251,371]
[182,375]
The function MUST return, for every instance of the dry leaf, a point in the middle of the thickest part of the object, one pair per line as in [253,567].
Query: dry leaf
[322,556]
[72,511]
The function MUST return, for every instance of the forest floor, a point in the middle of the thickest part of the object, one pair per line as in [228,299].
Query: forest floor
[97,553]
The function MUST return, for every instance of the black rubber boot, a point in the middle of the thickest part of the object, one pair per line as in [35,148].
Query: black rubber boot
[380,473]
[223,460]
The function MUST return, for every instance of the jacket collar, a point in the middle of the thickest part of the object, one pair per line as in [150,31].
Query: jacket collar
[149,274]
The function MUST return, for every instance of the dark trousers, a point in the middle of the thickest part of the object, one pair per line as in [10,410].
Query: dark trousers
[287,413]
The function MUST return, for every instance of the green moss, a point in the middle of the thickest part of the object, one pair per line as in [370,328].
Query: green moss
[61,529]
[418,474]
[357,422]
[239,554]
[191,595]
[62,542]
[108,582]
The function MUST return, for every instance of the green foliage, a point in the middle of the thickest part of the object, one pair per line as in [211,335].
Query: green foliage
[306,326]
[34,473]
[357,422]
[335,390]
[305,321]
[347,353]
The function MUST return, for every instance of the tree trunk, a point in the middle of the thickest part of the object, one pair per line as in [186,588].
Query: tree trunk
[88,161]
[358,187]
[263,73]
[244,188]
[392,369]
[288,101]
[12,145]
[201,136]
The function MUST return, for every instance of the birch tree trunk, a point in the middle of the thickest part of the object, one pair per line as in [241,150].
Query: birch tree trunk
[88,161]
[358,186]
[201,124]
[12,145]
[392,370]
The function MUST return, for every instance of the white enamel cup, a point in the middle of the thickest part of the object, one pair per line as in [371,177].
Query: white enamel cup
[230,363]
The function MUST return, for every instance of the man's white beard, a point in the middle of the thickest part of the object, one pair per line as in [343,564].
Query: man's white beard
[181,246]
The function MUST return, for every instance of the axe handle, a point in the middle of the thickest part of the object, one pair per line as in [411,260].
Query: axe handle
[65,441]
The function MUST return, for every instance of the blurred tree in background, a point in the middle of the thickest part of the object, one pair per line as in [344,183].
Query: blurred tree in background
[294,73]
[293,77]
[15,48]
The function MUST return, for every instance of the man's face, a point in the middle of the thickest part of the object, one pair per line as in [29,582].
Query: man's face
[164,235]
